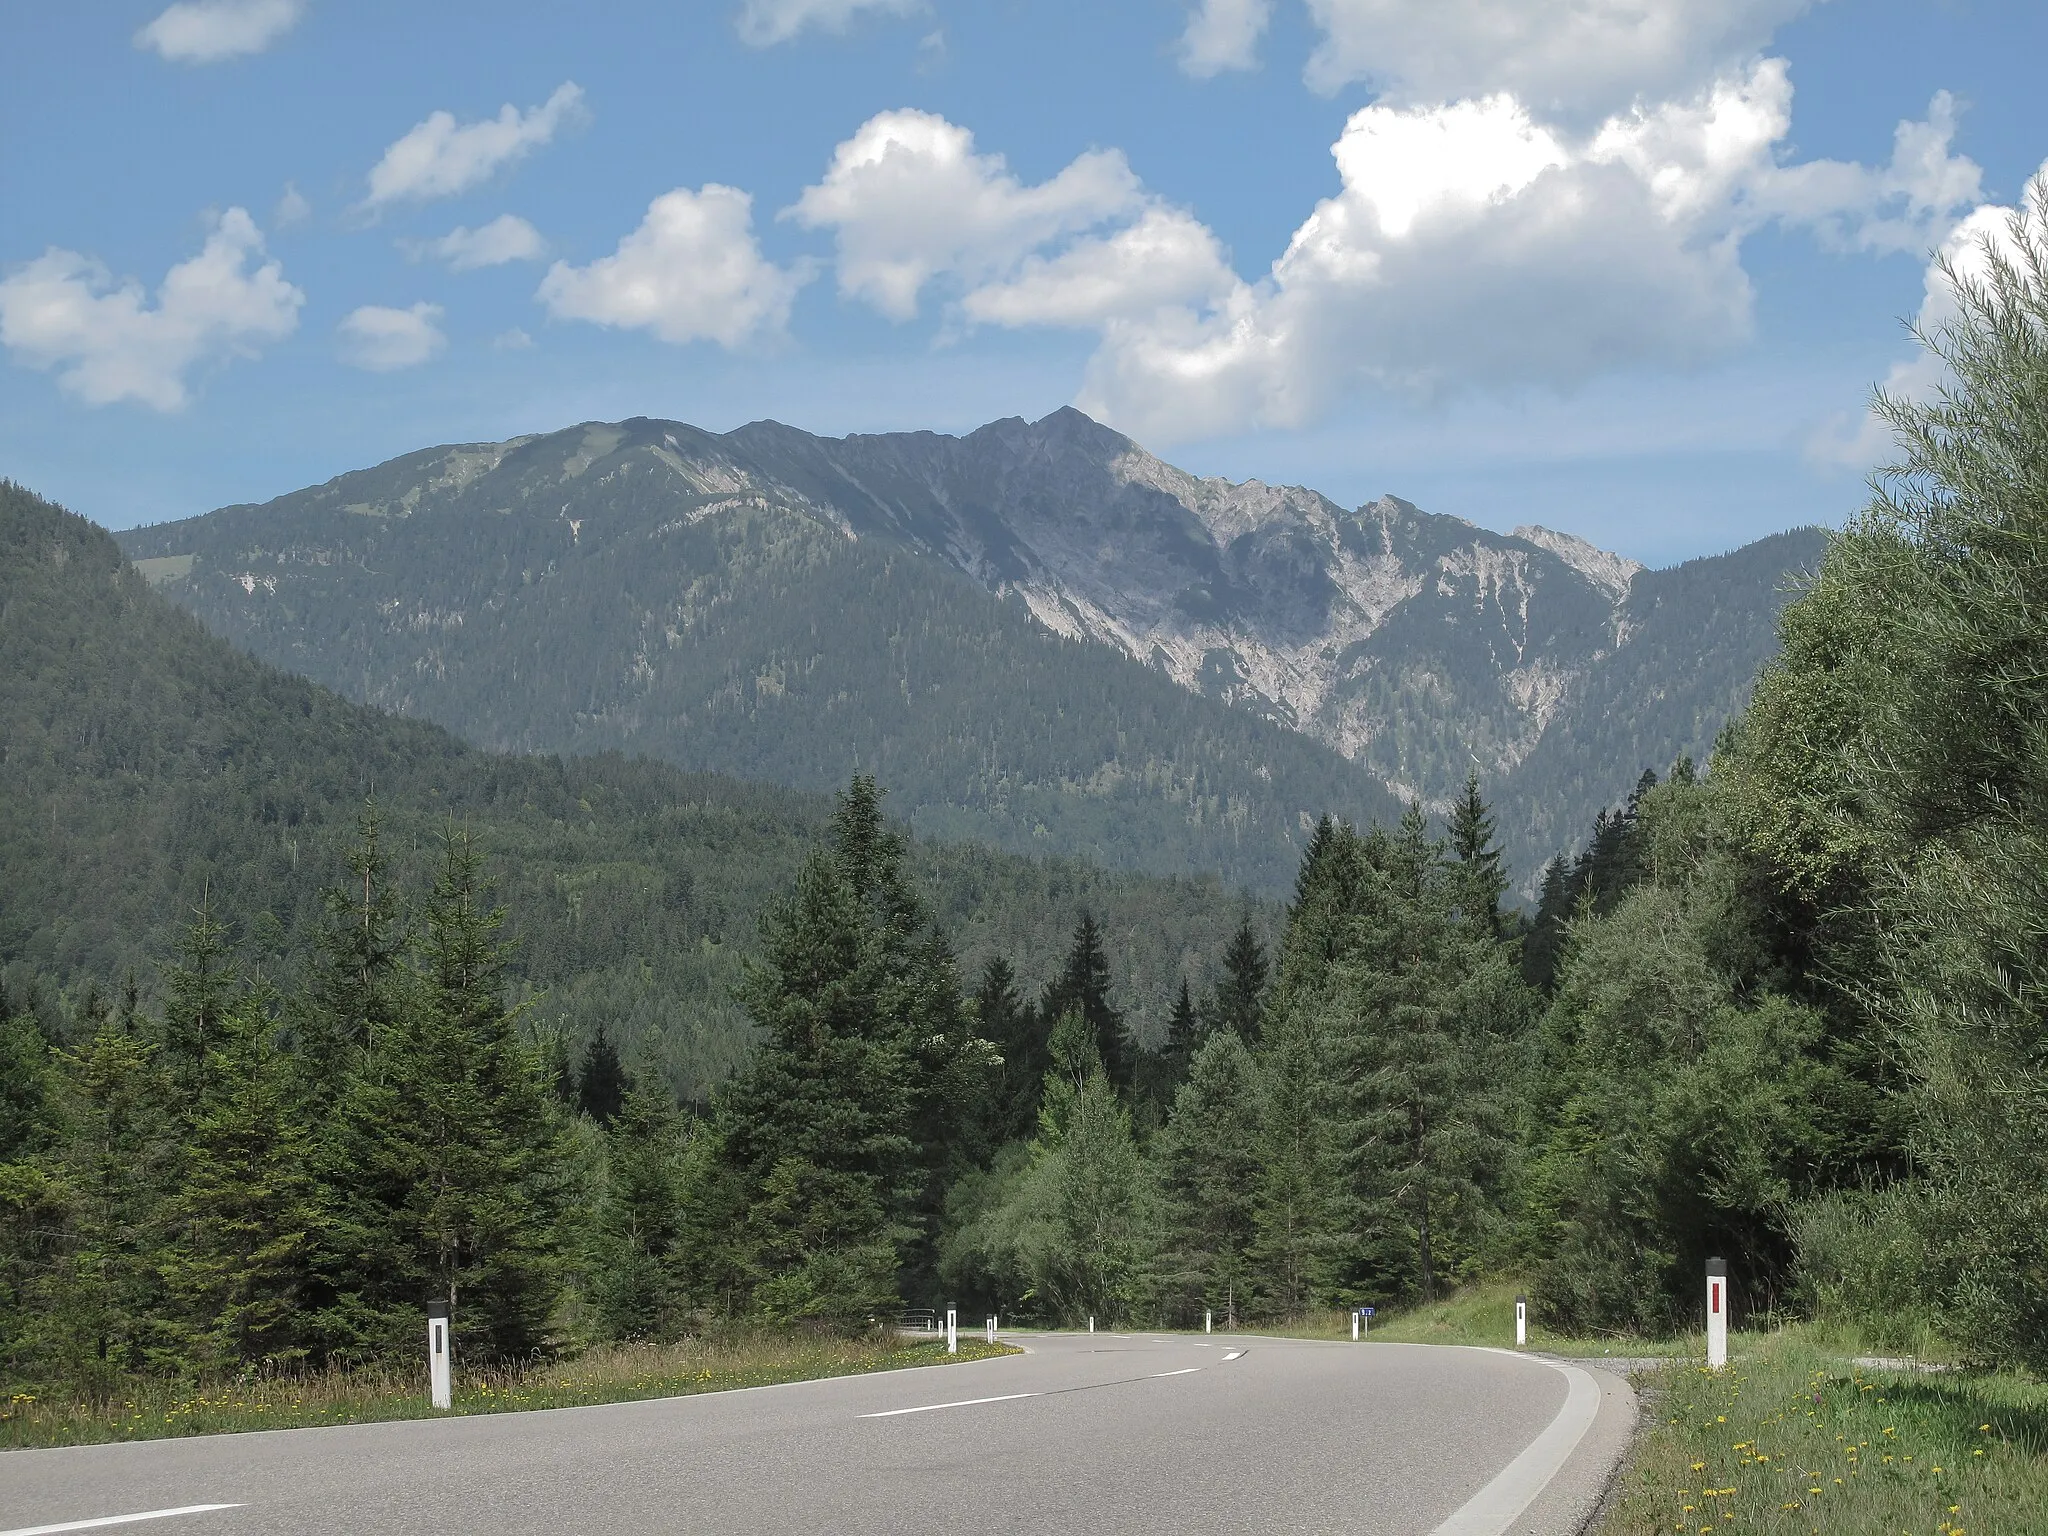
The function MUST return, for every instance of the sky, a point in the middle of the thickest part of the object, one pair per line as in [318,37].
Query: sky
[1626,268]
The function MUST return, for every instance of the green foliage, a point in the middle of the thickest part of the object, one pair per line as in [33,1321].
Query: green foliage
[1209,1166]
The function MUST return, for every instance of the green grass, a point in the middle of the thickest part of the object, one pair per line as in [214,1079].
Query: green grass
[1793,1439]
[1476,1314]
[152,1410]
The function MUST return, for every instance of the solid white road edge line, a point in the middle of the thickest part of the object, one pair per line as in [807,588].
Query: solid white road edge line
[893,1413]
[1493,1510]
[88,1525]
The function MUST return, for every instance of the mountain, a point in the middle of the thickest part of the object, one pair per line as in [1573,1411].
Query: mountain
[1042,634]
[147,766]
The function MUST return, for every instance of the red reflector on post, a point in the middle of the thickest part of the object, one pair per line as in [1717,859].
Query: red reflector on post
[1714,1303]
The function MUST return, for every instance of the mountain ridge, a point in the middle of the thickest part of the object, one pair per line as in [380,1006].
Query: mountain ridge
[1411,645]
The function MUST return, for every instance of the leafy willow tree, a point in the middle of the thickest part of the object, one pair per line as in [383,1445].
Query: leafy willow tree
[1895,764]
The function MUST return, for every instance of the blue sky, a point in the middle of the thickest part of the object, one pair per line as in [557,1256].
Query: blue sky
[1628,268]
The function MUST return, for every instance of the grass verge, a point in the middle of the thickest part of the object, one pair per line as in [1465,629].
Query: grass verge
[1791,1439]
[609,1374]
[1477,1314]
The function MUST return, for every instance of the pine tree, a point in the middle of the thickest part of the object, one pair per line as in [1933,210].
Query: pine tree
[1242,992]
[1481,878]
[1084,985]
[452,1166]
[241,1220]
[636,1288]
[1184,1035]
[199,987]
[355,989]
[602,1083]
[1292,1214]
[1543,949]
[1209,1173]
[859,1012]
[1018,1033]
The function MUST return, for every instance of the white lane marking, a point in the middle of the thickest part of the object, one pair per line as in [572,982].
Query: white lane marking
[1236,1354]
[1187,1370]
[1493,1510]
[965,1402]
[88,1525]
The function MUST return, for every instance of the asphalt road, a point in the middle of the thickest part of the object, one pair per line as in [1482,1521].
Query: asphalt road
[1109,1433]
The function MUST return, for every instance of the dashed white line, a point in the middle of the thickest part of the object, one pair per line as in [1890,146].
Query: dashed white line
[965,1402]
[1236,1354]
[89,1525]
[1188,1370]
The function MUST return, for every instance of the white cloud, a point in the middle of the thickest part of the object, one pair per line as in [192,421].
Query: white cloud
[207,31]
[907,199]
[384,340]
[1582,59]
[514,340]
[292,209]
[692,271]
[64,311]
[1167,258]
[1223,34]
[1473,245]
[763,23]
[506,238]
[439,158]
[1864,440]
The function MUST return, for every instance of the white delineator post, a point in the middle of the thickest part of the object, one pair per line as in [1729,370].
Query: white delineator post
[952,1330]
[440,1378]
[1208,1321]
[1717,1313]
[1354,1325]
[1521,1322]
[1091,1325]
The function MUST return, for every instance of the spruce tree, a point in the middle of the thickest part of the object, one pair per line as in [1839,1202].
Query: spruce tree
[1481,878]
[636,1288]
[1084,985]
[601,1083]
[1019,1034]
[1209,1175]
[355,986]
[199,987]
[1241,994]
[241,1220]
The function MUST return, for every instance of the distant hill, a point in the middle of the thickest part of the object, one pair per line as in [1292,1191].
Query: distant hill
[1041,634]
[145,763]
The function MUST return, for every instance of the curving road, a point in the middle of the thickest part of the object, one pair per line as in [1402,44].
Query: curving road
[1102,1433]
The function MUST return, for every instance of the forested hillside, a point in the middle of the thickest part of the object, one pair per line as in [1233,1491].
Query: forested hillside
[734,634]
[1037,635]
[147,767]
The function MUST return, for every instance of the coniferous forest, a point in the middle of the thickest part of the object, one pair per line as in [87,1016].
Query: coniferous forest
[1784,1006]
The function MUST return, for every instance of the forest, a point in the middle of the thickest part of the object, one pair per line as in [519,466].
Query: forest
[1788,1006]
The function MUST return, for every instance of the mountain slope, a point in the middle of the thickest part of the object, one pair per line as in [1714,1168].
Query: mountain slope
[581,593]
[146,765]
[786,606]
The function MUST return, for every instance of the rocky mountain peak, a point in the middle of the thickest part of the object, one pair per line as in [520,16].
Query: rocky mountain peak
[1612,573]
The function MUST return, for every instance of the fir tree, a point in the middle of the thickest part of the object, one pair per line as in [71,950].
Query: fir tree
[199,987]
[1209,1171]
[1084,985]
[1481,879]
[636,1289]
[1018,1033]
[242,1217]
[1242,992]
[356,993]
[602,1083]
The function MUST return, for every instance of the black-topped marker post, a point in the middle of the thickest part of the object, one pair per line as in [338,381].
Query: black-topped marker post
[1717,1313]
[440,1378]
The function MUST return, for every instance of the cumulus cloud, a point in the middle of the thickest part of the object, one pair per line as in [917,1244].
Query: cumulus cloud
[763,23]
[439,157]
[907,199]
[384,340]
[107,343]
[1168,257]
[207,31]
[506,238]
[1583,59]
[1861,441]
[692,271]
[1223,34]
[1474,244]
